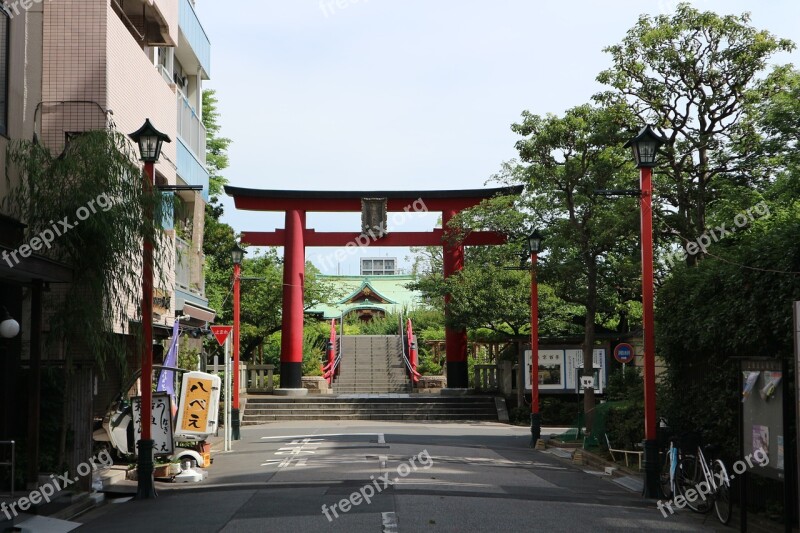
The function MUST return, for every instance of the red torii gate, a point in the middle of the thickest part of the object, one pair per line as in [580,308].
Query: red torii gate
[295,237]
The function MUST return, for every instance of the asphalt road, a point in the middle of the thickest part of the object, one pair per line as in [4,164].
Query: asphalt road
[381,476]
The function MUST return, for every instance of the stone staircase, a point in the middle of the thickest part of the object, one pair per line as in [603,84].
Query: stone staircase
[371,364]
[390,407]
[372,385]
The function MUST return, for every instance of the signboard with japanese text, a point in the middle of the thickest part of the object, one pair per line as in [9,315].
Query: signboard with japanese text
[161,423]
[574,369]
[221,333]
[559,369]
[551,369]
[624,353]
[198,409]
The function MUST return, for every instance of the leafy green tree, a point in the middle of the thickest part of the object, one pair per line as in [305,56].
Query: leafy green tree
[694,76]
[96,174]
[216,146]
[737,302]
[96,178]
[592,244]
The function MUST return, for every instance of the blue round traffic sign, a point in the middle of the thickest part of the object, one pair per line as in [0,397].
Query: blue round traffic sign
[624,353]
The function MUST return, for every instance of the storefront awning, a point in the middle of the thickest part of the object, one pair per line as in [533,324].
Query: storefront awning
[198,312]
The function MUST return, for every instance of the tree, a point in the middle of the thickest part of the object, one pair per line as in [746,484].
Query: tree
[216,146]
[591,244]
[97,181]
[737,302]
[96,175]
[262,294]
[694,76]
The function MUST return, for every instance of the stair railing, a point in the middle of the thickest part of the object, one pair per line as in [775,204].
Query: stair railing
[409,350]
[334,355]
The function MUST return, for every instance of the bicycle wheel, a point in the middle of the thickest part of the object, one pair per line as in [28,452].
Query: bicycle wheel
[722,498]
[688,477]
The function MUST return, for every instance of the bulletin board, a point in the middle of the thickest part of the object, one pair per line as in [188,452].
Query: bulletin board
[762,387]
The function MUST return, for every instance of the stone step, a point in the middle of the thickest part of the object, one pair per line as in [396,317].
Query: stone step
[383,417]
[406,400]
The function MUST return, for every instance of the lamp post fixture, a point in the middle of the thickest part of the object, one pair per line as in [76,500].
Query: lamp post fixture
[645,146]
[9,328]
[150,141]
[534,247]
[237,254]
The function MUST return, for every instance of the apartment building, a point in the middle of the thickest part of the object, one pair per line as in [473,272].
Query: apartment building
[71,66]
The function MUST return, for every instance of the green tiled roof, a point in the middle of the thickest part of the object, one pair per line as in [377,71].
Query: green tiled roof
[392,288]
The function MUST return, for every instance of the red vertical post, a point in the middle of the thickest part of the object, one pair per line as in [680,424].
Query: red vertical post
[331,352]
[146,486]
[536,417]
[651,487]
[534,336]
[147,318]
[293,279]
[237,278]
[647,305]
[455,340]
[235,421]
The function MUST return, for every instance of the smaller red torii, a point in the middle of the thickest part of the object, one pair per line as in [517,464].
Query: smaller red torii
[295,237]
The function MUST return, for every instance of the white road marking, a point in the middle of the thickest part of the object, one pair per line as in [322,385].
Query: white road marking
[379,435]
[294,453]
[389,521]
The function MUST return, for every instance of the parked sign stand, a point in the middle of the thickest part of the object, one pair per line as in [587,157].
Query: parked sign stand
[624,353]
[160,423]
[222,334]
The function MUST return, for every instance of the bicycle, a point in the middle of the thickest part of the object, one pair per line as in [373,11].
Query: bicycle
[674,478]
[711,483]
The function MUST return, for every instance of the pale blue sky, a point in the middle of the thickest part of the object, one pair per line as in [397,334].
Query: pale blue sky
[407,94]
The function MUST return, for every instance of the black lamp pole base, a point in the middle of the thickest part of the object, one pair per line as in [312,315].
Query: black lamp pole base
[536,428]
[235,424]
[146,488]
[652,482]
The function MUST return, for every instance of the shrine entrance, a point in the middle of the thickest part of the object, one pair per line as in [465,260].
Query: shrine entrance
[374,207]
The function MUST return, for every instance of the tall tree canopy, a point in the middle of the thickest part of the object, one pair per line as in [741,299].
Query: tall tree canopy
[592,243]
[694,75]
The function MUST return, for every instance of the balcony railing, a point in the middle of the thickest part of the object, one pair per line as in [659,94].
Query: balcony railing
[191,129]
[195,34]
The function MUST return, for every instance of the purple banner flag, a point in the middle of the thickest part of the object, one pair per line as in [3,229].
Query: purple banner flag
[166,379]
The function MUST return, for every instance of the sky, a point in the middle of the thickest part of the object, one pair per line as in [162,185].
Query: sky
[407,94]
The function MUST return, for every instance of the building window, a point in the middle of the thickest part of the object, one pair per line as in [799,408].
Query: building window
[5,22]
[378,266]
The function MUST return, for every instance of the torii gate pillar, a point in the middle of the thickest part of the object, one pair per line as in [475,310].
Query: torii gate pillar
[294,271]
[455,340]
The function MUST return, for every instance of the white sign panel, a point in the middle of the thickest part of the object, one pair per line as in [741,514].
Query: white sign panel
[160,426]
[574,368]
[587,382]
[551,370]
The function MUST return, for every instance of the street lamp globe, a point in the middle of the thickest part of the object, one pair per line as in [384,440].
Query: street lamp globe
[150,141]
[535,242]
[237,254]
[645,146]
[9,328]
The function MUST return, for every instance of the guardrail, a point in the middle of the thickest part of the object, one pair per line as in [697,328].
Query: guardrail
[260,378]
[409,350]
[252,378]
[334,356]
[486,378]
